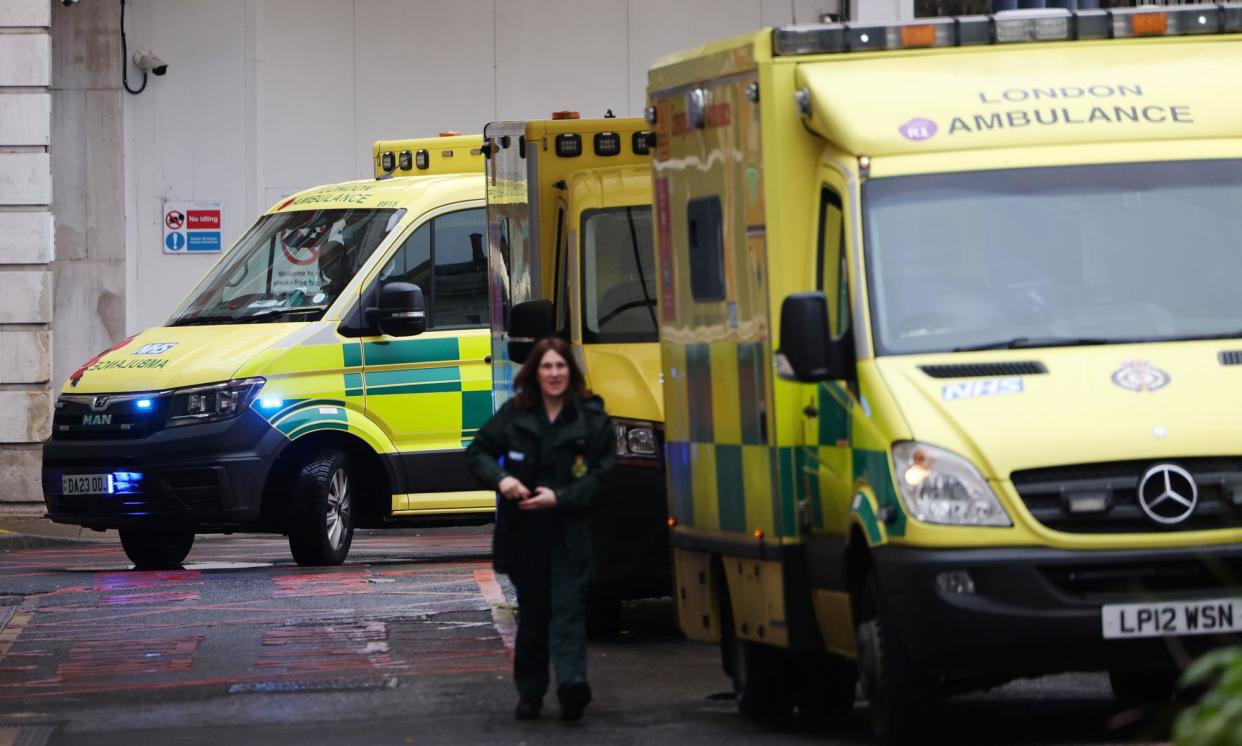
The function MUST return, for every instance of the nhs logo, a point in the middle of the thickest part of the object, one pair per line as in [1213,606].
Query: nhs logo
[155,348]
[977,389]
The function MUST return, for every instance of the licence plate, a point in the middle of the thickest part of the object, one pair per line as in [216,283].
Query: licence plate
[87,484]
[1174,618]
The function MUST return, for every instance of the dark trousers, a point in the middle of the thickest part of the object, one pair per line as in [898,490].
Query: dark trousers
[551,618]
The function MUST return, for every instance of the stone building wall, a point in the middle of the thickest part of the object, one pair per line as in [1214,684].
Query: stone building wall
[26,248]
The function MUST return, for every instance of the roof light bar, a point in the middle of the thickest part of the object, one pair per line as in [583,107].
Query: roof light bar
[1039,25]
[1009,27]
[405,161]
[1194,19]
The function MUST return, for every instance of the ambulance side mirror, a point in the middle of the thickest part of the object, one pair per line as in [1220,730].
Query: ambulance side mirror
[808,350]
[528,322]
[401,311]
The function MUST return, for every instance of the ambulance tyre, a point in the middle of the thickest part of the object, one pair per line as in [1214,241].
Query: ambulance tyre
[1144,687]
[897,695]
[156,550]
[761,681]
[321,525]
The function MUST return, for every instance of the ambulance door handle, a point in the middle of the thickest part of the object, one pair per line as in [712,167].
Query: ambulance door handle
[488,360]
[810,411]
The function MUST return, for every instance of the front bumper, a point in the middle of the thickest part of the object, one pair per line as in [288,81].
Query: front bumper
[206,477]
[1037,610]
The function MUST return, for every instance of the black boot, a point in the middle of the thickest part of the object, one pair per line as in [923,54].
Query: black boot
[575,696]
[527,709]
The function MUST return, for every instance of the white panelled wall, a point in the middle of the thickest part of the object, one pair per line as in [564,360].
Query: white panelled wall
[266,97]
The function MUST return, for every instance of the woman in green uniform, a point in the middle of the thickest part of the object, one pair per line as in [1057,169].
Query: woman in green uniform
[548,452]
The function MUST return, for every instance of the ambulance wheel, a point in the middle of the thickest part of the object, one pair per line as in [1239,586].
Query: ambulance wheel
[156,550]
[761,681]
[897,695]
[322,522]
[825,697]
[1144,687]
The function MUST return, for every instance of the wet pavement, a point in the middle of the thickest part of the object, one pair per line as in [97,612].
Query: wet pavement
[407,643]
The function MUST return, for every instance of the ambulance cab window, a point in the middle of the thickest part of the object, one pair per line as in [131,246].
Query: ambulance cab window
[705,232]
[291,266]
[618,276]
[833,276]
[447,258]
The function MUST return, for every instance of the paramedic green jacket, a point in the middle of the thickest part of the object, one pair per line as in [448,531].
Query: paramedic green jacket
[584,451]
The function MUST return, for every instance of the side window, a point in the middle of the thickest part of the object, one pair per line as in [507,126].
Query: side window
[833,273]
[412,262]
[707,282]
[461,270]
[447,258]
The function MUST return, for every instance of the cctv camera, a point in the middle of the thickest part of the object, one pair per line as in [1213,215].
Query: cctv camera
[148,62]
[69,3]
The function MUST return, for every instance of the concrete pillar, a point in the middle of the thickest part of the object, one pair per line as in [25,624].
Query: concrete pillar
[26,249]
[88,179]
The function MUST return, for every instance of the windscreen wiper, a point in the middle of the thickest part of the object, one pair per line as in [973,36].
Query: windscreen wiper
[274,313]
[1235,334]
[1023,342]
[264,315]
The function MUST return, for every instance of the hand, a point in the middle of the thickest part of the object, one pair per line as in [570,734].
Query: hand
[513,489]
[543,499]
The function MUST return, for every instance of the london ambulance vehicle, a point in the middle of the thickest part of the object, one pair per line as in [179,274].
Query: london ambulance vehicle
[949,325]
[326,374]
[569,215]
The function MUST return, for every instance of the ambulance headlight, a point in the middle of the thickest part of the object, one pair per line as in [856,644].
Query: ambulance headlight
[637,439]
[941,487]
[220,401]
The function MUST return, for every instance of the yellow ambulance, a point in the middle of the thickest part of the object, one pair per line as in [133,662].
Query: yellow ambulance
[949,321]
[569,215]
[326,374]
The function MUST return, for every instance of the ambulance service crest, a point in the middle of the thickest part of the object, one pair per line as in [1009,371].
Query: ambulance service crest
[580,466]
[1140,376]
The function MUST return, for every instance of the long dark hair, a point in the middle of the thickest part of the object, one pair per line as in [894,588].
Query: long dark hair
[526,382]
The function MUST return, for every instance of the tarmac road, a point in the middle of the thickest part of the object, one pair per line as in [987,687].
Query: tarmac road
[408,643]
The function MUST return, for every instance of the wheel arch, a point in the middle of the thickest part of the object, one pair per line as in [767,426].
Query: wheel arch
[375,484]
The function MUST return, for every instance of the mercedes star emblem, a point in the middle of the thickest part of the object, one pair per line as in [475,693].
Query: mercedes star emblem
[1167,494]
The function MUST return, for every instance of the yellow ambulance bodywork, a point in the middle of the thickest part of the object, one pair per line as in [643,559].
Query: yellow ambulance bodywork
[572,200]
[795,528]
[403,408]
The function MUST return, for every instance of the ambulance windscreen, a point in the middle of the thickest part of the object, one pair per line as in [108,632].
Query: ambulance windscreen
[1049,257]
[618,276]
[290,266]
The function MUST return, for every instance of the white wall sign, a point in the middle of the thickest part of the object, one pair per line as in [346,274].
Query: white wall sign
[193,227]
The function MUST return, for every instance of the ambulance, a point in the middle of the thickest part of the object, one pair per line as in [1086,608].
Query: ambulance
[326,374]
[950,333]
[569,216]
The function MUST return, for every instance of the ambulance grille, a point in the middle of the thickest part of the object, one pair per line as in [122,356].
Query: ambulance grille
[985,370]
[1231,357]
[74,419]
[1045,492]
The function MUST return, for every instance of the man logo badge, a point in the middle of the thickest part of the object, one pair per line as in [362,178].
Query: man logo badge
[99,403]
[1168,494]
